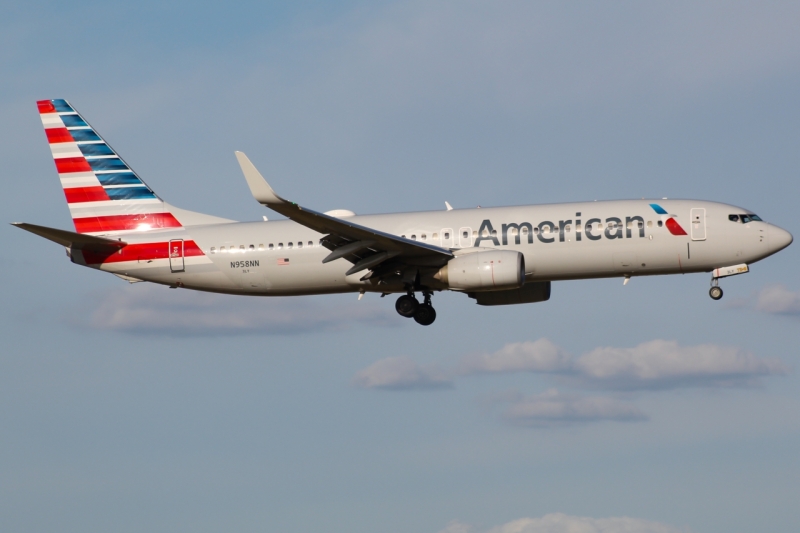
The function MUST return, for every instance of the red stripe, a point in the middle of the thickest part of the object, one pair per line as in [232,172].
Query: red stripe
[674,227]
[65,165]
[77,195]
[125,222]
[58,135]
[46,106]
[139,252]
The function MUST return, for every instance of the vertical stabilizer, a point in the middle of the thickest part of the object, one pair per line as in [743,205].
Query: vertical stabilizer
[103,193]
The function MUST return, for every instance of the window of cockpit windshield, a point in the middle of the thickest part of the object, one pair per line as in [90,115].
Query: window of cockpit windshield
[755,217]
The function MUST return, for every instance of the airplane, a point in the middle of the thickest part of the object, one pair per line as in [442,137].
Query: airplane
[496,256]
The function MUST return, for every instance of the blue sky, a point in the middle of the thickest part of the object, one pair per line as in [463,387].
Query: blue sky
[648,408]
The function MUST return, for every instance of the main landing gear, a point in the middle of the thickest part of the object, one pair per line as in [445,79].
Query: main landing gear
[408,306]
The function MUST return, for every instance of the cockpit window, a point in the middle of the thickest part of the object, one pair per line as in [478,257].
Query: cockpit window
[744,218]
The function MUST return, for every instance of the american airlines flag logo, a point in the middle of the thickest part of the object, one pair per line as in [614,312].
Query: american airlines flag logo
[283,261]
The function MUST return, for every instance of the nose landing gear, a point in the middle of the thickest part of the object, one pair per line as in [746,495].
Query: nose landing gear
[715,291]
[423,313]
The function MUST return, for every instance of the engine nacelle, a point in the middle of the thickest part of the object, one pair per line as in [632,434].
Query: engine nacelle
[491,270]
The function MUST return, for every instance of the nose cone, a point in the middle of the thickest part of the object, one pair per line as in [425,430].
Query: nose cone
[779,239]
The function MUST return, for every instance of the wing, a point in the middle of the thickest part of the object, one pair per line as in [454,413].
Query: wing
[382,253]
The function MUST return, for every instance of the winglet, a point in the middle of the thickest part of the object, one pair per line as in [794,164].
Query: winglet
[259,187]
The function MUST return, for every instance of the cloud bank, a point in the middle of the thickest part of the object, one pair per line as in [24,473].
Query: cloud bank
[554,408]
[401,373]
[563,523]
[156,310]
[657,364]
[778,300]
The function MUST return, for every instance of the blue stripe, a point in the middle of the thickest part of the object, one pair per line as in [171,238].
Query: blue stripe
[95,149]
[130,193]
[107,164]
[119,178]
[62,106]
[658,209]
[72,121]
[84,135]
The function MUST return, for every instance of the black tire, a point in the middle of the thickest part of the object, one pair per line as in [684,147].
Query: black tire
[425,315]
[715,293]
[406,306]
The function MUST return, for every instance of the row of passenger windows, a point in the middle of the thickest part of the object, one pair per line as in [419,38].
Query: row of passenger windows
[446,235]
[524,230]
[271,246]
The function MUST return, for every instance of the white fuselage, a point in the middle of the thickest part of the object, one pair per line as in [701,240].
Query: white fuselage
[559,242]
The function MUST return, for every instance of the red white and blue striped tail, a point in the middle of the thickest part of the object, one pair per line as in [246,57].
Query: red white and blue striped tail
[104,194]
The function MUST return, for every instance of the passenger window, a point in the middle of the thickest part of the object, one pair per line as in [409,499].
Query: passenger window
[280,246]
[524,231]
[423,237]
[465,235]
[413,237]
[252,247]
[435,236]
[733,218]
[213,250]
[535,230]
[650,223]
[271,246]
[261,247]
[640,224]
[222,250]
[567,228]
[660,223]
[475,234]
[241,247]
[446,235]
[300,244]
[310,244]
[289,246]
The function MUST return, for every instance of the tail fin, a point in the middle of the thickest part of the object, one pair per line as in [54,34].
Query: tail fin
[104,194]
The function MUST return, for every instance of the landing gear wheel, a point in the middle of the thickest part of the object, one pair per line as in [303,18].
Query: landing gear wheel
[425,315]
[406,305]
[715,293]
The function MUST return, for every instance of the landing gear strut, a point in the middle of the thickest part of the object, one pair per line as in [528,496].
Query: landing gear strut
[715,291]
[423,313]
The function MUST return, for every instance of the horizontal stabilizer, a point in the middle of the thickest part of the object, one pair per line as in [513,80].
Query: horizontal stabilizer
[68,238]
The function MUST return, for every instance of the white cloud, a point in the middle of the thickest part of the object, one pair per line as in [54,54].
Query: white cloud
[665,364]
[156,310]
[538,356]
[778,299]
[401,373]
[562,523]
[553,408]
[657,364]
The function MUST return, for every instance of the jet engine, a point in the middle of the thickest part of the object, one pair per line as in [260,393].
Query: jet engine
[491,270]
